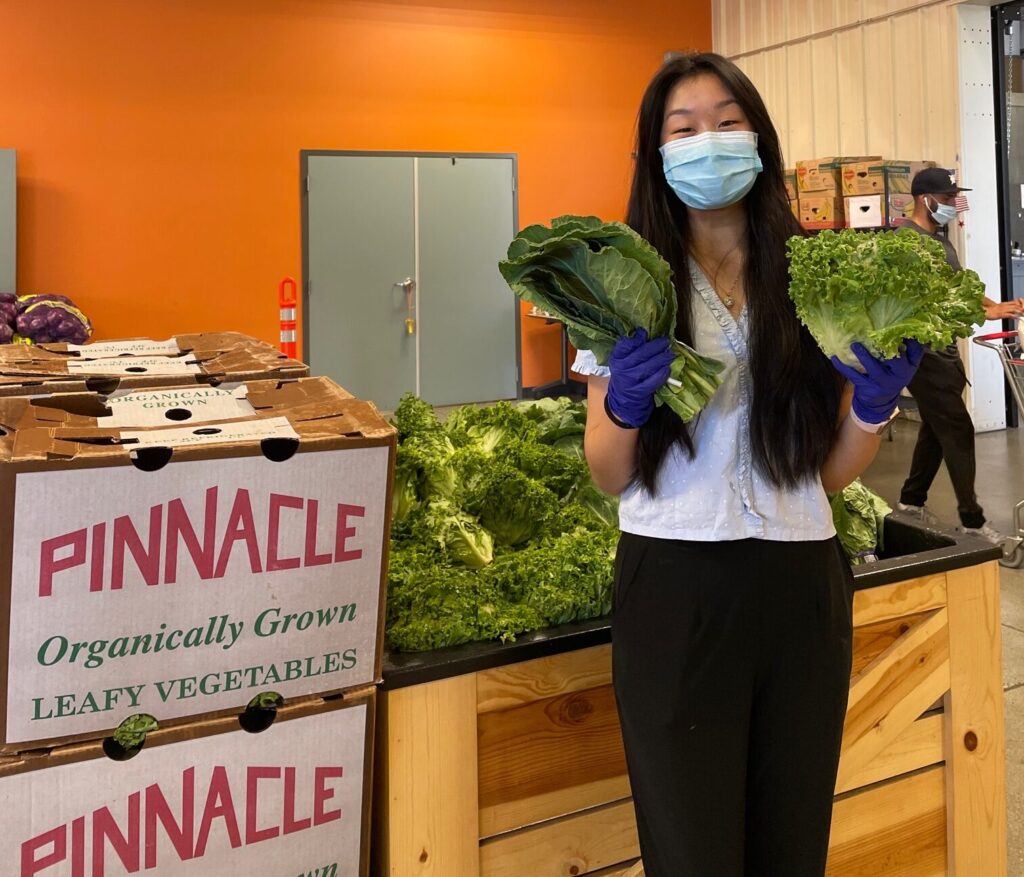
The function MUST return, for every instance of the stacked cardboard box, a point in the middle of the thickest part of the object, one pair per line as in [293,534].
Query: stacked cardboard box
[820,185]
[889,182]
[206,358]
[792,192]
[174,552]
[205,799]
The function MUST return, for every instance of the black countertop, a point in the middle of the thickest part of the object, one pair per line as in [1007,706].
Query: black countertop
[910,552]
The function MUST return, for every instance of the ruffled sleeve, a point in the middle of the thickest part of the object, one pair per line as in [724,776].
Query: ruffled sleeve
[586,364]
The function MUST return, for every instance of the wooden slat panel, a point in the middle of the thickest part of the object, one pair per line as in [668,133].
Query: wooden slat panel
[870,640]
[753,66]
[543,749]
[974,713]
[620,871]
[430,808]
[851,89]
[576,845]
[894,828]
[917,747]
[879,105]
[893,691]
[902,598]
[910,66]
[825,116]
[517,684]
[530,810]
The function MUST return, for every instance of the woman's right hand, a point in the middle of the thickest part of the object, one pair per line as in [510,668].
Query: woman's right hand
[639,368]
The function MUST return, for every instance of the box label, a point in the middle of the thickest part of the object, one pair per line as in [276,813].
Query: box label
[138,347]
[164,407]
[135,365]
[223,433]
[286,802]
[192,588]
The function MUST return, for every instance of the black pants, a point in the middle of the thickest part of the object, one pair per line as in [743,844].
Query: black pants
[946,433]
[731,665]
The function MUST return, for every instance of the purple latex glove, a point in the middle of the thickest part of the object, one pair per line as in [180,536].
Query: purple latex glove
[639,367]
[876,392]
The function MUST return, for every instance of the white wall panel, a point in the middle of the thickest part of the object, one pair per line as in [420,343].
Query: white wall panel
[800,18]
[800,96]
[981,240]
[908,66]
[774,22]
[853,137]
[878,89]
[848,12]
[826,94]
[774,90]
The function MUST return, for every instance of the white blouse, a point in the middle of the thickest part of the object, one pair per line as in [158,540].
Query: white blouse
[719,495]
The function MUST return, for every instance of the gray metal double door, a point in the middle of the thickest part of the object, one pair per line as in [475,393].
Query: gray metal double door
[393,238]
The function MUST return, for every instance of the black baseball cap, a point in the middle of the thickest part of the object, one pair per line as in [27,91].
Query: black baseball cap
[935,181]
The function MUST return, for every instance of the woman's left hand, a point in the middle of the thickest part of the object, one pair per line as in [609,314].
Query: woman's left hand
[876,391]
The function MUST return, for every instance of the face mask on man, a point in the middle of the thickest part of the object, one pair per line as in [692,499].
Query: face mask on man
[943,214]
[712,170]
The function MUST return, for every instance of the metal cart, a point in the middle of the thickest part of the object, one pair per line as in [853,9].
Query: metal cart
[1009,347]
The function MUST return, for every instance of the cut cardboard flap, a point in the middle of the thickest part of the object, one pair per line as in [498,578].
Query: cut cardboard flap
[223,433]
[128,347]
[208,358]
[135,365]
[89,424]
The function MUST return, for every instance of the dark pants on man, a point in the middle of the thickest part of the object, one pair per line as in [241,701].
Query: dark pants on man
[946,433]
[731,664]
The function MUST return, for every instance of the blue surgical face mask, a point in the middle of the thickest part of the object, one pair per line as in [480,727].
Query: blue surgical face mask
[712,170]
[943,214]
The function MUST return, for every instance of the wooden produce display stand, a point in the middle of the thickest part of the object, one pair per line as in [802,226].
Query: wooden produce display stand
[506,760]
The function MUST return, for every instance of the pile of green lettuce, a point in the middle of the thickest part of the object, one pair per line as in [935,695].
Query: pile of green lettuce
[497,528]
[879,288]
[603,281]
[859,515]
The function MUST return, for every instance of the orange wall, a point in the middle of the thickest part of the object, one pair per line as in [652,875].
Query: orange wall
[158,140]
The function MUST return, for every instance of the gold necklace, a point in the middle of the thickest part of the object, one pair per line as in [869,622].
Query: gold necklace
[726,297]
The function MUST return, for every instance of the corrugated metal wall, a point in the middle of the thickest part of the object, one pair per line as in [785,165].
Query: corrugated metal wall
[850,77]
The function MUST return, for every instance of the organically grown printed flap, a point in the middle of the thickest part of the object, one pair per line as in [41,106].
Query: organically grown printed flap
[135,366]
[190,436]
[178,405]
[127,347]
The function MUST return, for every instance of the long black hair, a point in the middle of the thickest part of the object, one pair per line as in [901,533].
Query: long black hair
[796,390]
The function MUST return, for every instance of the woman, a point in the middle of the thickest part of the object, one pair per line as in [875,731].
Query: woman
[732,627]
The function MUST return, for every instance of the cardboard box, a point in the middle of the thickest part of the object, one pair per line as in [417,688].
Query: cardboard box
[864,211]
[820,212]
[179,571]
[864,178]
[900,174]
[107,366]
[791,189]
[899,208]
[794,206]
[822,176]
[207,798]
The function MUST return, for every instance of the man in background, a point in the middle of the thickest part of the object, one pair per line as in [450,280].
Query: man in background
[947,432]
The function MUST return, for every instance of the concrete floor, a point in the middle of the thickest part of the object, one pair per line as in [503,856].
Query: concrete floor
[1000,486]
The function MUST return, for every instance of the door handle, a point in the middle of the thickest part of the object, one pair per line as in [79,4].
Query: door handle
[408,286]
